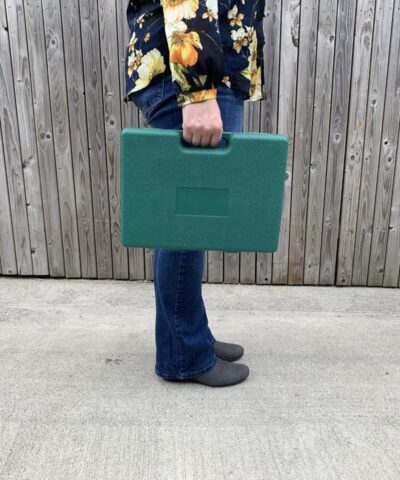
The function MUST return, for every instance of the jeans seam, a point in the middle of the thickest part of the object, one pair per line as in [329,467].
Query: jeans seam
[175,314]
[147,112]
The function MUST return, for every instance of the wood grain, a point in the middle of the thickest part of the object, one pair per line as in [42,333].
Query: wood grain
[332,77]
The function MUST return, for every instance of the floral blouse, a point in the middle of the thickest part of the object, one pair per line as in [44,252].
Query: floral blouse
[203,43]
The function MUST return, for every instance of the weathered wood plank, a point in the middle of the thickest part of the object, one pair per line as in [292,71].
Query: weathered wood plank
[247,270]
[12,152]
[61,135]
[373,131]
[112,115]
[79,141]
[320,139]
[23,97]
[391,276]
[355,137]
[303,140]
[387,161]
[337,140]
[79,145]
[8,261]
[129,118]
[231,267]
[247,267]
[148,260]
[269,105]
[286,123]
[205,271]
[44,135]
[215,265]
[96,136]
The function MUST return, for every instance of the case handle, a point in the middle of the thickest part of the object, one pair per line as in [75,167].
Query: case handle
[223,146]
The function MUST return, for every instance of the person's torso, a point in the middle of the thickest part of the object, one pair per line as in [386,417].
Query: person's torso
[241,36]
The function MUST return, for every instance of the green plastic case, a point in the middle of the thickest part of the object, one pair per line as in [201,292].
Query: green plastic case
[177,196]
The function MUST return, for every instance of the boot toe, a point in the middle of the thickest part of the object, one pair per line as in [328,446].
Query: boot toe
[228,351]
[223,374]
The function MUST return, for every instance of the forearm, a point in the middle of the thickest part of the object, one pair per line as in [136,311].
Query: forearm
[195,51]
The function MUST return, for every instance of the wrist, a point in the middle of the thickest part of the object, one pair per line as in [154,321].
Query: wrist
[197,96]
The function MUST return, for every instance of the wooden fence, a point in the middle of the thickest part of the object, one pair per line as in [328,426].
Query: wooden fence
[333,86]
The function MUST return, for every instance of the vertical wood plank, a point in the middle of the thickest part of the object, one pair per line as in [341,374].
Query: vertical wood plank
[286,124]
[391,276]
[12,153]
[205,271]
[129,118]
[320,139]
[79,141]
[373,133]
[215,265]
[96,136]
[231,267]
[337,140]
[112,116]
[355,137]
[247,270]
[387,163]
[129,111]
[61,135]
[302,140]
[148,259]
[23,96]
[44,135]
[136,264]
[269,105]
[8,261]
[247,267]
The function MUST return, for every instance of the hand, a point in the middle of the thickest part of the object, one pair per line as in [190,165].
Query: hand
[202,123]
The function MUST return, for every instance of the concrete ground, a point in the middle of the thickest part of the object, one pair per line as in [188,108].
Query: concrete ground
[79,398]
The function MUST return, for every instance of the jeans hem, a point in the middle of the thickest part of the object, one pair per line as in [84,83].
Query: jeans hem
[185,376]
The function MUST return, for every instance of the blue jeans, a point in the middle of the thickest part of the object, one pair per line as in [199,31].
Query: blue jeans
[184,342]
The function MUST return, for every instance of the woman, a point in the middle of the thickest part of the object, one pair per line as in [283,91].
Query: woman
[190,64]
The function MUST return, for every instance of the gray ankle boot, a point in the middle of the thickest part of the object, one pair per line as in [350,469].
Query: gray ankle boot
[228,351]
[223,374]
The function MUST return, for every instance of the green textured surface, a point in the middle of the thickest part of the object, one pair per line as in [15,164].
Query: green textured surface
[180,197]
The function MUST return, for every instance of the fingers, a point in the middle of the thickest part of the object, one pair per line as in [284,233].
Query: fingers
[202,123]
[204,139]
[216,139]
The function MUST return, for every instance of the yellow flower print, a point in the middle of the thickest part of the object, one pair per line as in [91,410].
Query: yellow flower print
[199,96]
[250,31]
[152,64]
[183,49]
[212,10]
[252,72]
[226,81]
[134,60]
[140,20]
[147,37]
[239,38]
[235,17]
[182,44]
[210,14]
[203,94]
[176,10]
[256,92]
[253,47]
[132,42]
